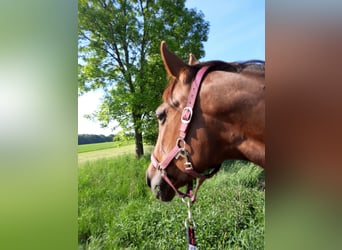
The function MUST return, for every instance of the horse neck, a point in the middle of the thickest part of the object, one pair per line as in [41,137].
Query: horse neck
[233,105]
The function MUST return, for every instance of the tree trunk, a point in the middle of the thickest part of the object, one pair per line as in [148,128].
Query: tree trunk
[139,147]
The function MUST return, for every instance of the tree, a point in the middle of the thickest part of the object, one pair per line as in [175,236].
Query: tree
[119,52]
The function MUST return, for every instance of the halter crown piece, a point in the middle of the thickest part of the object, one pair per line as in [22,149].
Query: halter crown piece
[180,150]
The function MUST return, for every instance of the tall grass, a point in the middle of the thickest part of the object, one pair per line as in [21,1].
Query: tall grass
[117,210]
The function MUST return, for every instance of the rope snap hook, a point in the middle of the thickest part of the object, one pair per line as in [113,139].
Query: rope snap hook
[190,227]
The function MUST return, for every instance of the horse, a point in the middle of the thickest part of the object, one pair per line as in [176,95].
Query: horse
[211,112]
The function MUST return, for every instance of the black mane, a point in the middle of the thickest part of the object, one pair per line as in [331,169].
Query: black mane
[255,65]
[237,67]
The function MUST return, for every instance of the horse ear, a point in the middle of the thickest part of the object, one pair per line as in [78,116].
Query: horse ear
[172,63]
[192,60]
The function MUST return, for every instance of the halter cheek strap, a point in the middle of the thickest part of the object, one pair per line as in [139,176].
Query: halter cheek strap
[180,150]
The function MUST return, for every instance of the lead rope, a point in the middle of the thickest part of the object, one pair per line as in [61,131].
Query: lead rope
[190,228]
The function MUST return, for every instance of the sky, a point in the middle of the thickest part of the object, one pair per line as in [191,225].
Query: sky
[237,33]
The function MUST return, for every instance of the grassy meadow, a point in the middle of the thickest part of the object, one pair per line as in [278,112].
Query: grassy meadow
[96,146]
[95,151]
[117,210]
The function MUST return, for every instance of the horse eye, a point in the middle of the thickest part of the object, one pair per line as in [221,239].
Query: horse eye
[161,116]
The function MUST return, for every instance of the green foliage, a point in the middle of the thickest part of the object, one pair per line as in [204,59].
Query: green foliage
[118,211]
[119,52]
[123,138]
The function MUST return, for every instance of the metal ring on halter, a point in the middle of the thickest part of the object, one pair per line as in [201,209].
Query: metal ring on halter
[179,140]
[189,109]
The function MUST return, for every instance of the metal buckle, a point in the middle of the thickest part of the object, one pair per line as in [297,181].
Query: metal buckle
[178,143]
[189,220]
[184,154]
[186,109]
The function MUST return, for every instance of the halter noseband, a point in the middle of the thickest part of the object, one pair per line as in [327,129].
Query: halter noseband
[180,150]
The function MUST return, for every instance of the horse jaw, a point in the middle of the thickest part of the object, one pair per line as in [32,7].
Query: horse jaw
[159,187]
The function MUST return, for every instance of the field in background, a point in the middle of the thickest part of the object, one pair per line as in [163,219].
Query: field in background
[103,145]
[118,211]
[95,151]
[96,146]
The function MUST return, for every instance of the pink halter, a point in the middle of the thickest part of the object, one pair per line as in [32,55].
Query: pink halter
[179,148]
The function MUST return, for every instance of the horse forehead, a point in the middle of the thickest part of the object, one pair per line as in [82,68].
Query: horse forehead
[168,90]
[176,96]
[184,79]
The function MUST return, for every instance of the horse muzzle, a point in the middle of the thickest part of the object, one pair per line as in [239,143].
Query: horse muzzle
[159,187]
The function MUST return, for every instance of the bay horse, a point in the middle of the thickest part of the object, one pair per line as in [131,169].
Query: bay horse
[211,112]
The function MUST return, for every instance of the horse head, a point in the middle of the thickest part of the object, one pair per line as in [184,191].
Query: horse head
[210,112]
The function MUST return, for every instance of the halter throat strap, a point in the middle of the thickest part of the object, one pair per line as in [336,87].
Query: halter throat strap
[179,149]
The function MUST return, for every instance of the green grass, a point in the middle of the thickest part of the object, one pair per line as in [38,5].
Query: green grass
[96,151]
[118,211]
[100,146]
